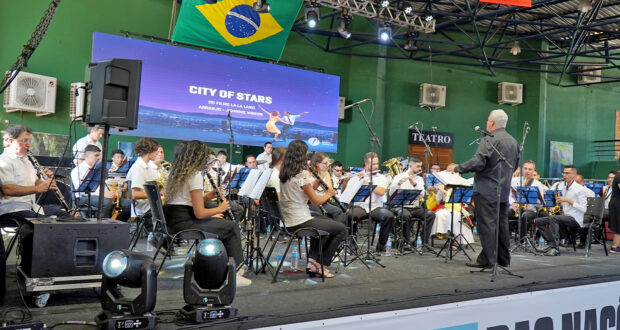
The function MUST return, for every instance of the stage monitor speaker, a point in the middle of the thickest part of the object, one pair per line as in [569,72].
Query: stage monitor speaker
[114,93]
[56,247]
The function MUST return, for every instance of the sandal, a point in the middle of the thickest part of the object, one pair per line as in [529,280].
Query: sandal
[314,269]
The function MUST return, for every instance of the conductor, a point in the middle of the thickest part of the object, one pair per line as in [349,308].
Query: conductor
[488,166]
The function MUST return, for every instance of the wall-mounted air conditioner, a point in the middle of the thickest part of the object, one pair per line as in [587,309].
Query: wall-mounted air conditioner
[432,96]
[77,98]
[509,93]
[31,92]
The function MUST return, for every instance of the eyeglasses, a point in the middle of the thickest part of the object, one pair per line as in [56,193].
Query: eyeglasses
[567,173]
[24,141]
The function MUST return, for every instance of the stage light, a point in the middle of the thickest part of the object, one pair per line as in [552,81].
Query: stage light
[261,6]
[410,45]
[584,6]
[428,17]
[312,13]
[132,270]
[515,49]
[385,3]
[343,29]
[209,284]
[408,10]
[385,33]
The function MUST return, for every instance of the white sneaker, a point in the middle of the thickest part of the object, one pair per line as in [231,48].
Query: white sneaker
[240,280]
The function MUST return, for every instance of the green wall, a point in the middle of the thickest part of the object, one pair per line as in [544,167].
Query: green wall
[577,114]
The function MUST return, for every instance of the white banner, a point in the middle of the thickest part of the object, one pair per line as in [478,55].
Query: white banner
[587,307]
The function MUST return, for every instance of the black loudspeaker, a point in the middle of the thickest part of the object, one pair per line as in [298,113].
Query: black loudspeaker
[114,93]
[52,247]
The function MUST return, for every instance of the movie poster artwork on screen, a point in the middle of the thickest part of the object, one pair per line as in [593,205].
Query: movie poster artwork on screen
[188,94]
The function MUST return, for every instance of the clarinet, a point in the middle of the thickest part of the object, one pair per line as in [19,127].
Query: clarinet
[44,177]
[325,186]
[220,198]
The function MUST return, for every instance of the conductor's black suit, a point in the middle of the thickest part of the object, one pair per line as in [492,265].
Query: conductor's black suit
[487,165]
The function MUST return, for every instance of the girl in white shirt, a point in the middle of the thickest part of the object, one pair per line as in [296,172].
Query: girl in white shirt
[296,189]
[185,200]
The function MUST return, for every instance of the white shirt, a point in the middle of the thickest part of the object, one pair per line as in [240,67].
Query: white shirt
[139,173]
[78,174]
[589,192]
[378,180]
[294,200]
[407,185]
[274,180]
[579,195]
[264,156]
[184,196]
[516,182]
[78,147]
[17,170]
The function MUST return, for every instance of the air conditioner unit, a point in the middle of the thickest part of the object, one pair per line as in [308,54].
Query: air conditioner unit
[31,92]
[590,74]
[77,98]
[432,96]
[509,93]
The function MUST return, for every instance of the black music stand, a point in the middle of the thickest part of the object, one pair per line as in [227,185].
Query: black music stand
[400,198]
[89,184]
[526,195]
[461,195]
[362,194]
[549,197]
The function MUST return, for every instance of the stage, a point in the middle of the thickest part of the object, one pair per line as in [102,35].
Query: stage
[407,282]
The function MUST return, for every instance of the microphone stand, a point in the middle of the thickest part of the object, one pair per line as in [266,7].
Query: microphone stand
[230,149]
[524,242]
[496,267]
[427,155]
[374,140]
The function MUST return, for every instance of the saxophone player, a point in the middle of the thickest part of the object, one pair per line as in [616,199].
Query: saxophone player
[18,179]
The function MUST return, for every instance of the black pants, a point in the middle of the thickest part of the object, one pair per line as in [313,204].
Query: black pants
[381,215]
[337,233]
[108,205]
[181,217]
[411,215]
[487,221]
[527,219]
[550,227]
[331,211]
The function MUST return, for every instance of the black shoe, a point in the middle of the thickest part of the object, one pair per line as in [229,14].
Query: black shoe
[552,252]
[475,264]
[380,248]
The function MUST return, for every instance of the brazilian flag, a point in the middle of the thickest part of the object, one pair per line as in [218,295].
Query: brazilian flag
[234,26]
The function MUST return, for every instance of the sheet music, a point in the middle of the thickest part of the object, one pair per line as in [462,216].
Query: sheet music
[250,182]
[261,184]
[352,187]
[450,179]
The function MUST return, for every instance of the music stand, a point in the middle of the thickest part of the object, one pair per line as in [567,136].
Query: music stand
[90,183]
[549,197]
[431,180]
[596,187]
[400,198]
[461,195]
[360,196]
[238,180]
[526,195]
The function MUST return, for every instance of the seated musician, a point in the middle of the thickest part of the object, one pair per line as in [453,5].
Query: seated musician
[117,160]
[185,207]
[411,180]
[377,212]
[573,202]
[19,182]
[277,157]
[213,170]
[452,217]
[92,154]
[529,212]
[296,184]
[337,174]
[320,164]
[140,172]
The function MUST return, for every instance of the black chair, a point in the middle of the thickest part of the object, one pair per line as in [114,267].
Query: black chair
[595,210]
[139,219]
[7,221]
[161,229]
[270,202]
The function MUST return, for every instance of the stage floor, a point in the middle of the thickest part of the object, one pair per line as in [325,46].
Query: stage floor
[406,282]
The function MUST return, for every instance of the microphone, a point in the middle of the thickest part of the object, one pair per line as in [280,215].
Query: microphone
[356,103]
[483,131]
[414,125]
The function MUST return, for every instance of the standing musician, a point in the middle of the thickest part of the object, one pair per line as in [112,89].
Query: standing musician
[487,164]
[94,135]
[530,211]
[377,212]
[92,153]
[411,180]
[573,204]
[185,207]
[18,179]
[320,164]
[297,188]
[140,172]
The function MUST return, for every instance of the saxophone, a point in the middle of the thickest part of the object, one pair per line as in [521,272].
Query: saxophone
[44,177]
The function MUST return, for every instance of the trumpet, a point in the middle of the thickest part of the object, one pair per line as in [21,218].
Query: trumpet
[44,177]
